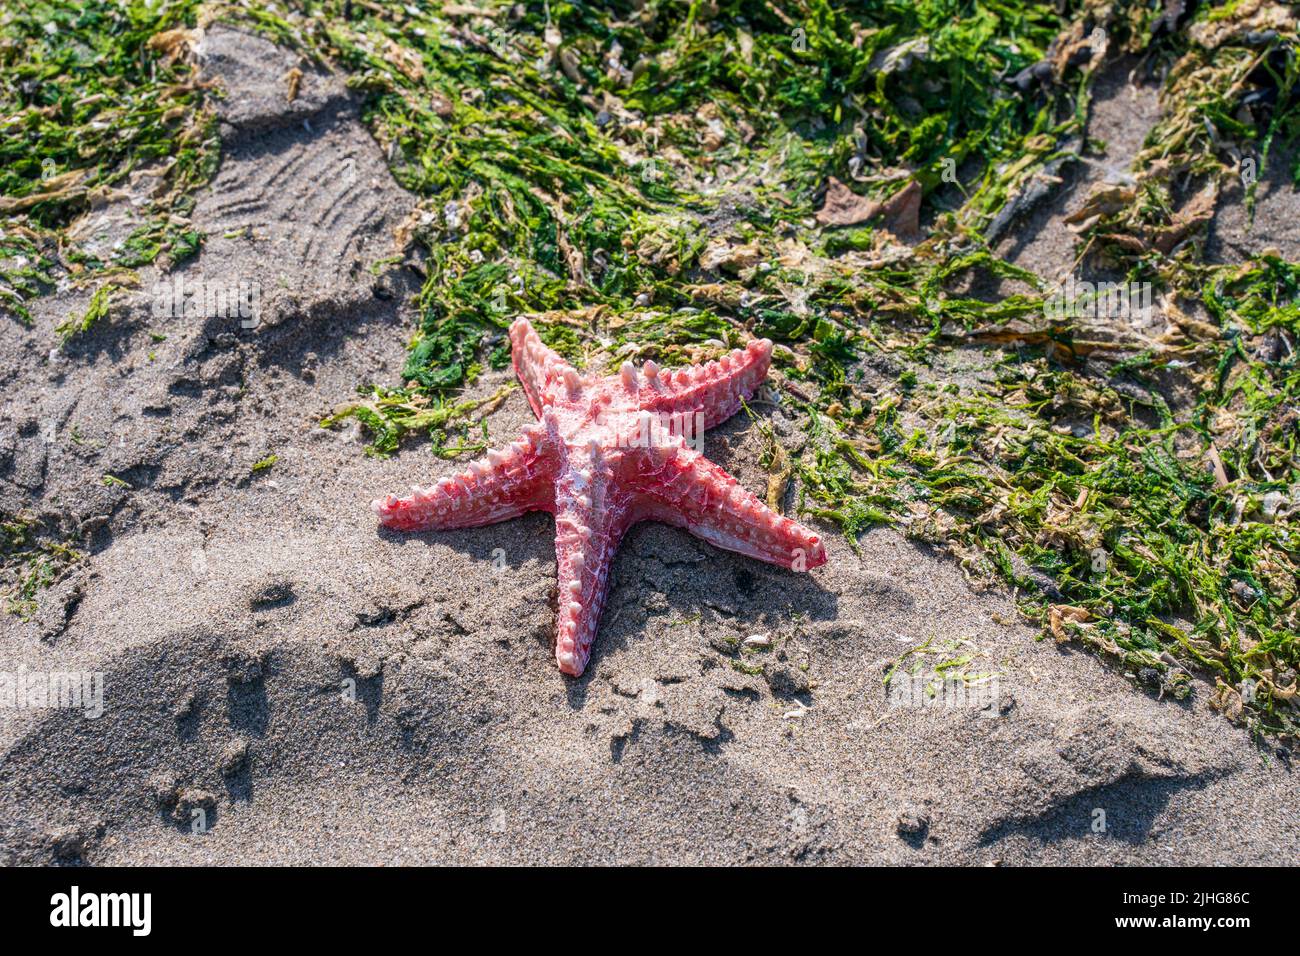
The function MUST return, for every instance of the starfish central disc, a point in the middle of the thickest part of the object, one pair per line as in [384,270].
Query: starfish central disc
[605,453]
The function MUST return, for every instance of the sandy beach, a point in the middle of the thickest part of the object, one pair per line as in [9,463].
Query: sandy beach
[313,689]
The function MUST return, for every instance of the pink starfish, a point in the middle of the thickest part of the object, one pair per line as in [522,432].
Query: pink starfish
[607,453]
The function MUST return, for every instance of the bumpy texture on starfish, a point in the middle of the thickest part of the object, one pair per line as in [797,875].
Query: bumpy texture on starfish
[607,453]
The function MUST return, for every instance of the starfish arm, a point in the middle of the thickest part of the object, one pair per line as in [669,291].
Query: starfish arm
[544,374]
[591,518]
[714,390]
[679,486]
[501,485]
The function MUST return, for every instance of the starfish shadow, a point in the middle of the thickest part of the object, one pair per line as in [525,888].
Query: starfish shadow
[687,581]
[508,544]
[727,593]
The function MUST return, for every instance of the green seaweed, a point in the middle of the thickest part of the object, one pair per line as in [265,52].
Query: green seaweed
[92,92]
[30,561]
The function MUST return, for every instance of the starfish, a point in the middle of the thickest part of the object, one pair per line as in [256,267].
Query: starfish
[605,453]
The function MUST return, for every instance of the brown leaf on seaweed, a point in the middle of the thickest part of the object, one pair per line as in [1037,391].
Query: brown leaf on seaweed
[844,207]
[1198,211]
[174,44]
[573,258]
[1061,614]
[442,106]
[1105,201]
[903,211]
[1226,700]
[406,61]
[1126,242]
[722,255]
